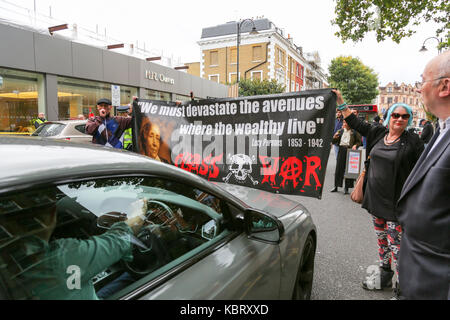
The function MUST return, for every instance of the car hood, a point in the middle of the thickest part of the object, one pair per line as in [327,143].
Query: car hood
[273,203]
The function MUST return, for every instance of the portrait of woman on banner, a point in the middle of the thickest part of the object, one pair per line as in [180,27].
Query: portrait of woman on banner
[151,141]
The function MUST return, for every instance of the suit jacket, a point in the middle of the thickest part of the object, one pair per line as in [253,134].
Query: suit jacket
[424,213]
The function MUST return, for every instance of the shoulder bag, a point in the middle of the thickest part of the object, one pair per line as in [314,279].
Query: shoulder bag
[357,194]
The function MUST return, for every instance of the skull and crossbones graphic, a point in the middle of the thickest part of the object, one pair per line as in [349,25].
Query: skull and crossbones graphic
[240,167]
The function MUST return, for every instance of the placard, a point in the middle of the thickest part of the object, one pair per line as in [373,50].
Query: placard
[353,164]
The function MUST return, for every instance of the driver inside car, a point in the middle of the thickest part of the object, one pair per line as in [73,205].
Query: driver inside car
[64,268]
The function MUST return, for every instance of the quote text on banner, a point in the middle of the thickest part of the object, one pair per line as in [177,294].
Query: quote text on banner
[278,143]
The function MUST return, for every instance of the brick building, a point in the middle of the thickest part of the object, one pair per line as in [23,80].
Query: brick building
[269,54]
[403,93]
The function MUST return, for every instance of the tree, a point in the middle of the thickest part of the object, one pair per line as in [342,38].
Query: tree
[393,19]
[257,87]
[357,82]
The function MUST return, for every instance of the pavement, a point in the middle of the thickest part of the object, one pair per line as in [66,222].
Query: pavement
[347,244]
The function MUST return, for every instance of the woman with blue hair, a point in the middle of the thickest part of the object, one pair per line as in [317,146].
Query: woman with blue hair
[393,153]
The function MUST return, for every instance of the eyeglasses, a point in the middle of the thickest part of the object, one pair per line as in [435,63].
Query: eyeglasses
[423,81]
[398,115]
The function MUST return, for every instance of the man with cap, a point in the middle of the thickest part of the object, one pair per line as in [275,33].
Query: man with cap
[128,135]
[106,130]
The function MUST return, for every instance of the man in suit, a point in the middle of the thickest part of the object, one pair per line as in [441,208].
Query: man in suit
[427,132]
[424,206]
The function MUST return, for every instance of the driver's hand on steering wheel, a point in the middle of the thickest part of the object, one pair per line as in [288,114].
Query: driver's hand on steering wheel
[136,223]
[108,219]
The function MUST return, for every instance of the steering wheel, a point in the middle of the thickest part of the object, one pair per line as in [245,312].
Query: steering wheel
[149,251]
[160,208]
[149,248]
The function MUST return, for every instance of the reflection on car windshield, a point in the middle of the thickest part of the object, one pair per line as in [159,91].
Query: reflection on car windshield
[49,130]
[95,239]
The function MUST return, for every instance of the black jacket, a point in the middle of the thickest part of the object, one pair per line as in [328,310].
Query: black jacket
[411,148]
[427,132]
[355,138]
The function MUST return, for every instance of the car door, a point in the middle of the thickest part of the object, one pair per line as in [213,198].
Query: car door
[241,269]
[77,133]
[68,242]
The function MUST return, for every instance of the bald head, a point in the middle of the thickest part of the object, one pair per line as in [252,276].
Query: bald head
[440,65]
[435,88]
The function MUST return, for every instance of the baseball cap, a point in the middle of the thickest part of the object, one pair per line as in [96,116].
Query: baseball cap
[122,108]
[104,100]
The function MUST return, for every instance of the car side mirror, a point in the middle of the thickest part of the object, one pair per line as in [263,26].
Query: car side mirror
[262,226]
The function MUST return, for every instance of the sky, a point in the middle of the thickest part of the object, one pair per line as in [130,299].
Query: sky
[175,27]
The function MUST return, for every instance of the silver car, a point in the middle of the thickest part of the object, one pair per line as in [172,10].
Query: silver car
[88,222]
[71,130]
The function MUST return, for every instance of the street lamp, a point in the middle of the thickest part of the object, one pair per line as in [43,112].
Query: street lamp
[238,41]
[423,49]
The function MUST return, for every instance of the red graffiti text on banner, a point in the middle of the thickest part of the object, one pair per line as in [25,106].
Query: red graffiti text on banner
[291,170]
[194,163]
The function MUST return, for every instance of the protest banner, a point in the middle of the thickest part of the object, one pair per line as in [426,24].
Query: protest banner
[278,143]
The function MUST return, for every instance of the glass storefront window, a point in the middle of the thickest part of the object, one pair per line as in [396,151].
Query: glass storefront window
[180,97]
[79,97]
[20,100]
[156,95]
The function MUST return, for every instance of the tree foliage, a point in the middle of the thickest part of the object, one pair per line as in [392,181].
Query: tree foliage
[257,87]
[357,82]
[395,19]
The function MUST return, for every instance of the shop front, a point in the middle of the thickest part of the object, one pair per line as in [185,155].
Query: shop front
[79,97]
[19,99]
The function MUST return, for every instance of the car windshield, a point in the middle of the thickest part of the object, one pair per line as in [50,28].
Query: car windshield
[49,130]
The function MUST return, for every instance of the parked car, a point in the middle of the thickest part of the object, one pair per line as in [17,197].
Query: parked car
[63,214]
[72,130]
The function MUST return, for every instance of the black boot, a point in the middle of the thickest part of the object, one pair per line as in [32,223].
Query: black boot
[378,280]
[335,189]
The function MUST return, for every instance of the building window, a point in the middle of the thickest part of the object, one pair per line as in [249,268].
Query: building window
[233,55]
[280,76]
[257,75]
[214,77]
[396,99]
[156,95]
[232,77]
[21,99]
[389,89]
[280,57]
[389,100]
[256,53]
[382,99]
[77,96]
[214,58]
